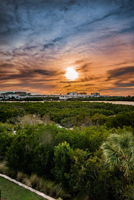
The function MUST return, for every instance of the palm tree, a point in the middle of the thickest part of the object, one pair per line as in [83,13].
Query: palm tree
[118,152]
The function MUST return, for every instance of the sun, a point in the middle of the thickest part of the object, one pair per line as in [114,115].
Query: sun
[71,74]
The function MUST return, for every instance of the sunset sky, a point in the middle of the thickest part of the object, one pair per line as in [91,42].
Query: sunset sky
[41,39]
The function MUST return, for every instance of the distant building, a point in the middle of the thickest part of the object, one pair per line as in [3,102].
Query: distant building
[96,94]
[72,93]
[14,95]
[64,97]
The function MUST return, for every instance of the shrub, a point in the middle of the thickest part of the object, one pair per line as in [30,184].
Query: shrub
[3,168]
[27,181]
[20,176]
[35,181]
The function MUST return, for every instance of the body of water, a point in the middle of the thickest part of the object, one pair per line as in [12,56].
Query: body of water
[113,102]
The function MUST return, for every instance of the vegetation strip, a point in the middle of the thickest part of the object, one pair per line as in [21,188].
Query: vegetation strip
[92,157]
[27,187]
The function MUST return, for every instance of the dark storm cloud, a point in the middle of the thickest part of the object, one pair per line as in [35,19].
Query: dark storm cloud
[45,72]
[118,73]
[27,74]
[5,66]
[128,84]
[123,77]
[85,67]
[116,89]
[28,85]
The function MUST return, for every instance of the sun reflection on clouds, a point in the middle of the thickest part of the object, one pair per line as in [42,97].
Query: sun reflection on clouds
[71,73]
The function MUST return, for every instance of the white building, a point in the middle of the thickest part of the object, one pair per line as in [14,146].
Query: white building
[72,93]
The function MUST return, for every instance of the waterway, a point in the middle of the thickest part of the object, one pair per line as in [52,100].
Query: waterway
[113,102]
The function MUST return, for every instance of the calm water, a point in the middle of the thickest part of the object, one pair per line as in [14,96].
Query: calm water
[113,102]
[118,102]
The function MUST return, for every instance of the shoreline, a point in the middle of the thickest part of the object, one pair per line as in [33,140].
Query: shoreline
[112,102]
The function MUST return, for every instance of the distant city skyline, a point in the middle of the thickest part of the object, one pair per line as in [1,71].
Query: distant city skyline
[60,46]
[59,94]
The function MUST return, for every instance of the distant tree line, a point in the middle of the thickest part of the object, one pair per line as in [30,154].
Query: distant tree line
[49,98]
[105,98]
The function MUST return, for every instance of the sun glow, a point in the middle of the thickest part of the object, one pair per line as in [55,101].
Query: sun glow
[71,74]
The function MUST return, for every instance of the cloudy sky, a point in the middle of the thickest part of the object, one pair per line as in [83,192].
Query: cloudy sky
[40,39]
